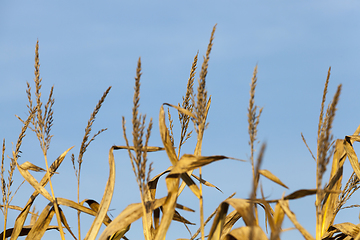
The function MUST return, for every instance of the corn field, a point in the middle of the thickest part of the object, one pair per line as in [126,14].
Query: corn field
[255,216]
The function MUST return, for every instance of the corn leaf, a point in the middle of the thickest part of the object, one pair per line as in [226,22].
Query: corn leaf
[243,207]
[351,153]
[219,221]
[152,184]
[347,229]
[130,214]
[272,177]
[278,220]
[94,205]
[29,166]
[143,149]
[190,162]
[206,183]
[24,231]
[182,110]
[105,202]
[120,234]
[172,184]
[20,220]
[64,221]
[285,206]
[42,223]
[177,217]
[80,207]
[165,137]
[246,233]
[329,203]
[32,181]
[230,220]
[297,194]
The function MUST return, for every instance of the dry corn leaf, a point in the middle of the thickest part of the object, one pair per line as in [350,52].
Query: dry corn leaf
[64,221]
[348,229]
[172,181]
[129,215]
[191,184]
[152,184]
[20,220]
[32,181]
[243,207]
[182,110]
[105,201]
[190,162]
[206,183]
[147,149]
[182,207]
[165,137]
[278,220]
[329,202]
[341,155]
[272,177]
[94,205]
[230,220]
[351,153]
[34,216]
[80,207]
[269,213]
[156,218]
[13,207]
[168,208]
[29,166]
[120,234]
[219,221]
[285,206]
[197,150]
[24,231]
[354,138]
[42,223]
[297,194]
[179,218]
[330,199]
[246,233]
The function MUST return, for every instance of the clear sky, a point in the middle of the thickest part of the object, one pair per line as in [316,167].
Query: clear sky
[87,46]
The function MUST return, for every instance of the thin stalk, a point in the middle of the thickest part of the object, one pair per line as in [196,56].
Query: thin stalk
[3,189]
[54,199]
[202,225]
[78,200]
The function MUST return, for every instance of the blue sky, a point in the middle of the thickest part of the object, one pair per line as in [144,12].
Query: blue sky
[86,47]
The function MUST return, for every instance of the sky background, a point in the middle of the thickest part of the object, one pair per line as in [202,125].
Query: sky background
[87,46]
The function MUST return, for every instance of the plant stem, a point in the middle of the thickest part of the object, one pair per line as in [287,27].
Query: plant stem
[54,199]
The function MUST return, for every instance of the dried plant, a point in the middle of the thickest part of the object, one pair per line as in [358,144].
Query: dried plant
[139,160]
[323,150]
[188,105]
[352,185]
[201,107]
[253,120]
[158,213]
[84,145]
[6,186]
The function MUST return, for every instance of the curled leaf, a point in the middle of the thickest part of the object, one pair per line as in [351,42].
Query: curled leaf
[29,166]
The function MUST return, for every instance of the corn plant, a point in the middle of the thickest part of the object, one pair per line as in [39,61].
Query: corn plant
[157,213]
